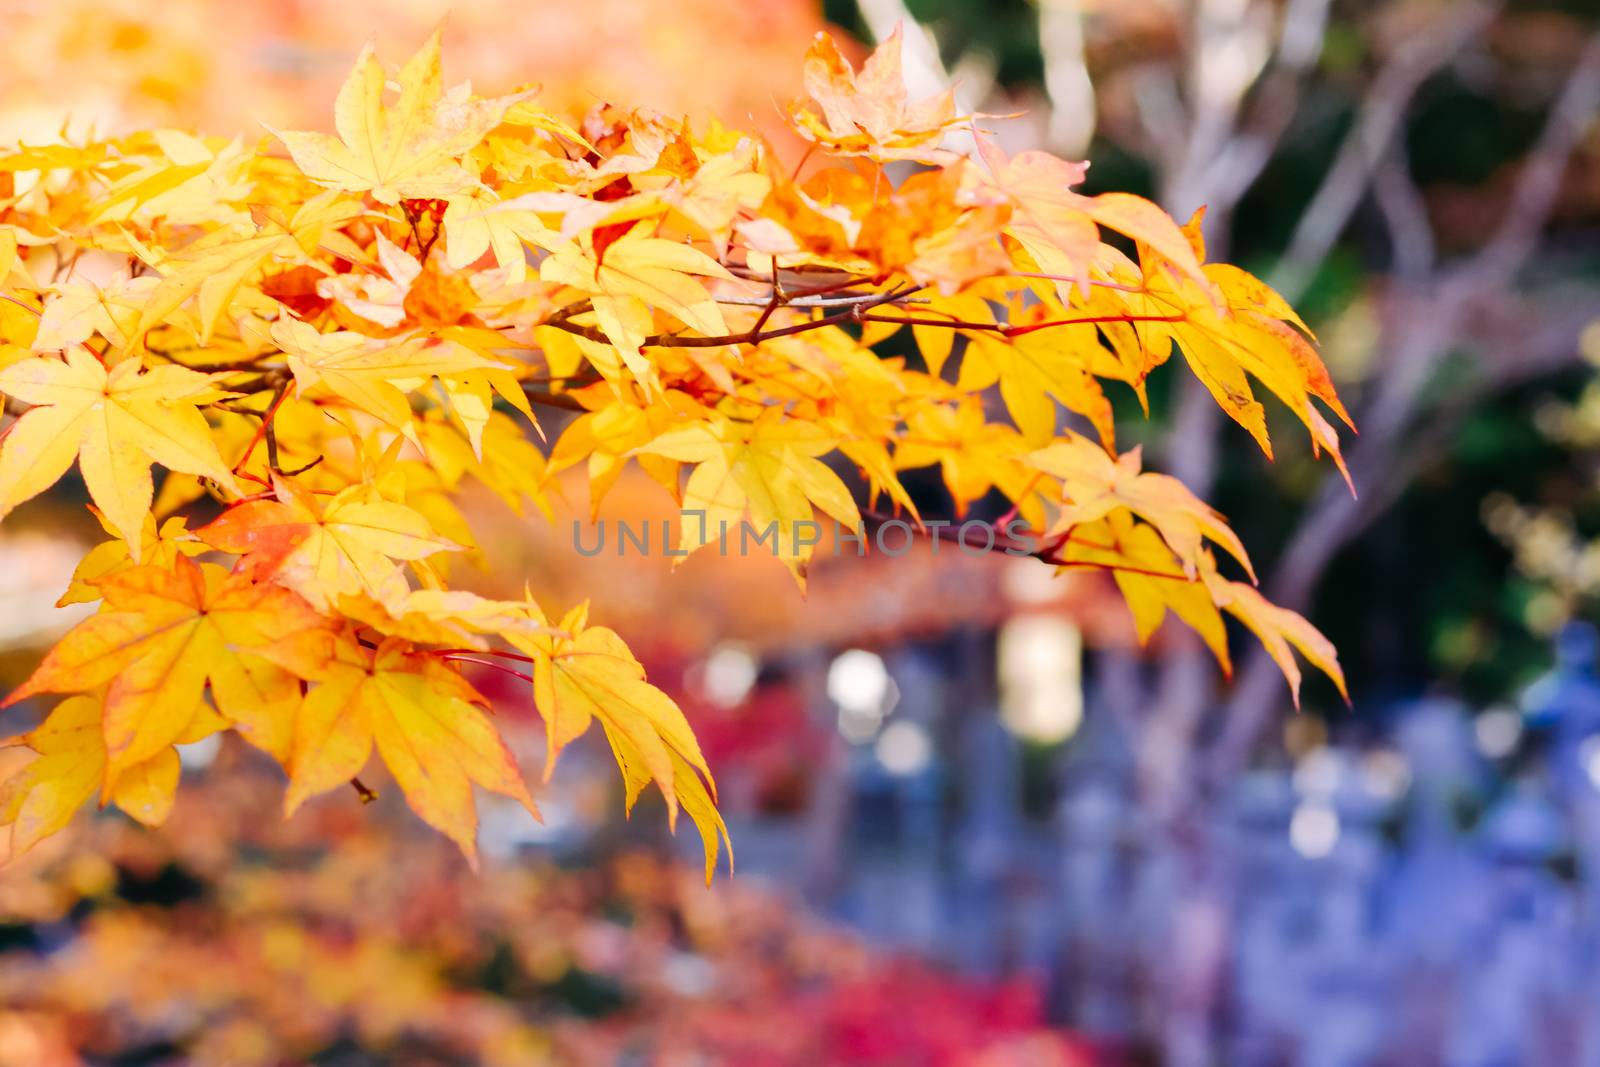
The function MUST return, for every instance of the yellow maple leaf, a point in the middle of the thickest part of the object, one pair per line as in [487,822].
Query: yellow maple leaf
[605,439]
[1150,578]
[372,375]
[449,617]
[410,148]
[158,546]
[476,224]
[1277,628]
[1095,485]
[503,460]
[41,797]
[428,724]
[582,673]
[636,275]
[80,308]
[213,268]
[183,175]
[115,423]
[1060,228]
[768,467]
[1231,329]
[1034,371]
[973,454]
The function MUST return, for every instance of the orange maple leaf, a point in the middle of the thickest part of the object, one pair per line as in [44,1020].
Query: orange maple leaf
[160,636]
[346,545]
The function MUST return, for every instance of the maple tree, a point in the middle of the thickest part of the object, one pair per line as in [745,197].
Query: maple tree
[324,338]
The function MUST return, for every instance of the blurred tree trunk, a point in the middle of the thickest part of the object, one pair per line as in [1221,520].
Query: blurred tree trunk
[1433,309]
[1210,118]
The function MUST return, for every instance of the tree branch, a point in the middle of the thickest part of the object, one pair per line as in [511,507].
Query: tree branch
[1378,461]
[1367,143]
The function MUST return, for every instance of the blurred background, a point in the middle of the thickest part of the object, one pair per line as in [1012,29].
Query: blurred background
[974,822]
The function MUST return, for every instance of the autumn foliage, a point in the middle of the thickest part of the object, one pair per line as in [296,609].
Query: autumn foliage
[323,339]
[226,938]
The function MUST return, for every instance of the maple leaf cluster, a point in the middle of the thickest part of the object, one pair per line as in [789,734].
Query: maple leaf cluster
[324,338]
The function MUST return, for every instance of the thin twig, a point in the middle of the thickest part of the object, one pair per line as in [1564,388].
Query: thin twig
[265,429]
[502,653]
[859,311]
[31,310]
[545,398]
[491,664]
[1045,552]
